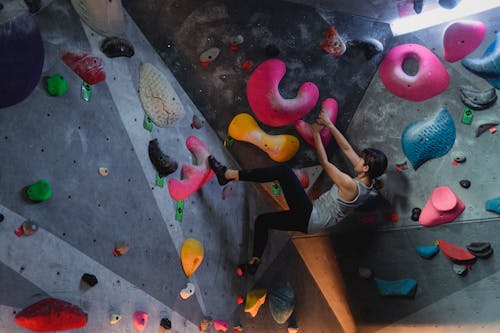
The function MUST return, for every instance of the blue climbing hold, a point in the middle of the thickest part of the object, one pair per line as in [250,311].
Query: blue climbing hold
[493,205]
[403,288]
[428,138]
[488,65]
[427,252]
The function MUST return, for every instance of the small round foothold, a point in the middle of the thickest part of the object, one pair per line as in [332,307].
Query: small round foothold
[415,213]
[365,273]
[114,318]
[459,157]
[460,269]
[465,183]
[103,172]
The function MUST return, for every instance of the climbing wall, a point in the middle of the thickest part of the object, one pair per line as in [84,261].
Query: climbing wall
[182,31]
[371,240]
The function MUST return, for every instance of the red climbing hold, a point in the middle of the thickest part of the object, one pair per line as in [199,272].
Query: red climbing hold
[247,65]
[87,66]
[51,314]
[454,252]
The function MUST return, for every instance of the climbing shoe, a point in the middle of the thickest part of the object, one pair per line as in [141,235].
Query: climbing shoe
[219,170]
[247,269]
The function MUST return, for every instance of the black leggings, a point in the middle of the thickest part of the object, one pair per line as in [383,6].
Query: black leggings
[296,218]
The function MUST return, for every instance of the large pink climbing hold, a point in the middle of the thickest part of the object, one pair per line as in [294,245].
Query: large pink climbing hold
[87,66]
[430,80]
[443,206]
[330,107]
[51,314]
[461,38]
[193,176]
[140,320]
[266,101]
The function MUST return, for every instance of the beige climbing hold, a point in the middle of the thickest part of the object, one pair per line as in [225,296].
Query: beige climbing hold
[120,249]
[188,291]
[103,172]
[159,99]
[114,318]
[29,228]
[255,299]
[205,324]
[104,17]
[209,55]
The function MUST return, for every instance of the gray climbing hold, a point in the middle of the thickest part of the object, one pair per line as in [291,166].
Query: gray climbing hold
[477,99]
[484,127]
[460,269]
[481,250]
[460,157]
[365,273]
[209,55]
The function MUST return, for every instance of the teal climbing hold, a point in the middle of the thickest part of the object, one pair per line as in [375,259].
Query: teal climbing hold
[281,302]
[39,191]
[57,85]
[402,288]
[493,205]
[427,252]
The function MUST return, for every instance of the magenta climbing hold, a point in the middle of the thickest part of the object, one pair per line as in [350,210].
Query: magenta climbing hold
[461,38]
[430,80]
[140,319]
[443,206]
[330,106]
[221,325]
[266,101]
[87,66]
[193,176]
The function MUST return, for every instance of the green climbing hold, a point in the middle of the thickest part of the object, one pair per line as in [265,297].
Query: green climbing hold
[57,85]
[39,191]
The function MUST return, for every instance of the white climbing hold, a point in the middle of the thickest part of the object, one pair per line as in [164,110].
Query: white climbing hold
[159,99]
[114,318]
[188,291]
[103,172]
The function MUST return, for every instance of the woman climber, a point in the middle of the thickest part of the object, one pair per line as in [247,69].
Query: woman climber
[305,215]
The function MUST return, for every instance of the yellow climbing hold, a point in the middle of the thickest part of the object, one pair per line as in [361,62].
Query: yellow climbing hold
[191,255]
[255,298]
[280,148]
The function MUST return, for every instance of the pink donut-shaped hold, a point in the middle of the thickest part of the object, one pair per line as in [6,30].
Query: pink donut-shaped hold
[266,101]
[461,38]
[430,80]
[331,107]
[193,176]
[140,320]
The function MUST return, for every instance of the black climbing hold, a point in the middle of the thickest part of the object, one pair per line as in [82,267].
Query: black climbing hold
[368,47]
[1,6]
[477,99]
[1,217]
[415,213]
[484,127]
[460,158]
[478,246]
[272,51]
[166,323]
[114,47]
[89,279]
[33,5]
[418,5]
[465,183]
[163,163]
[481,250]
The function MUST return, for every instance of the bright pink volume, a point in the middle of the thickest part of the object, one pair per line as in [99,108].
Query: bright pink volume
[140,320]
[430,80]
[461,39]
[51,314]
[193,176]
[331,108]
[266,101]
[443,206]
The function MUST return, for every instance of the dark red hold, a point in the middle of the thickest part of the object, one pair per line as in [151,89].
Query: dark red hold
[234,47]
[247,65]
